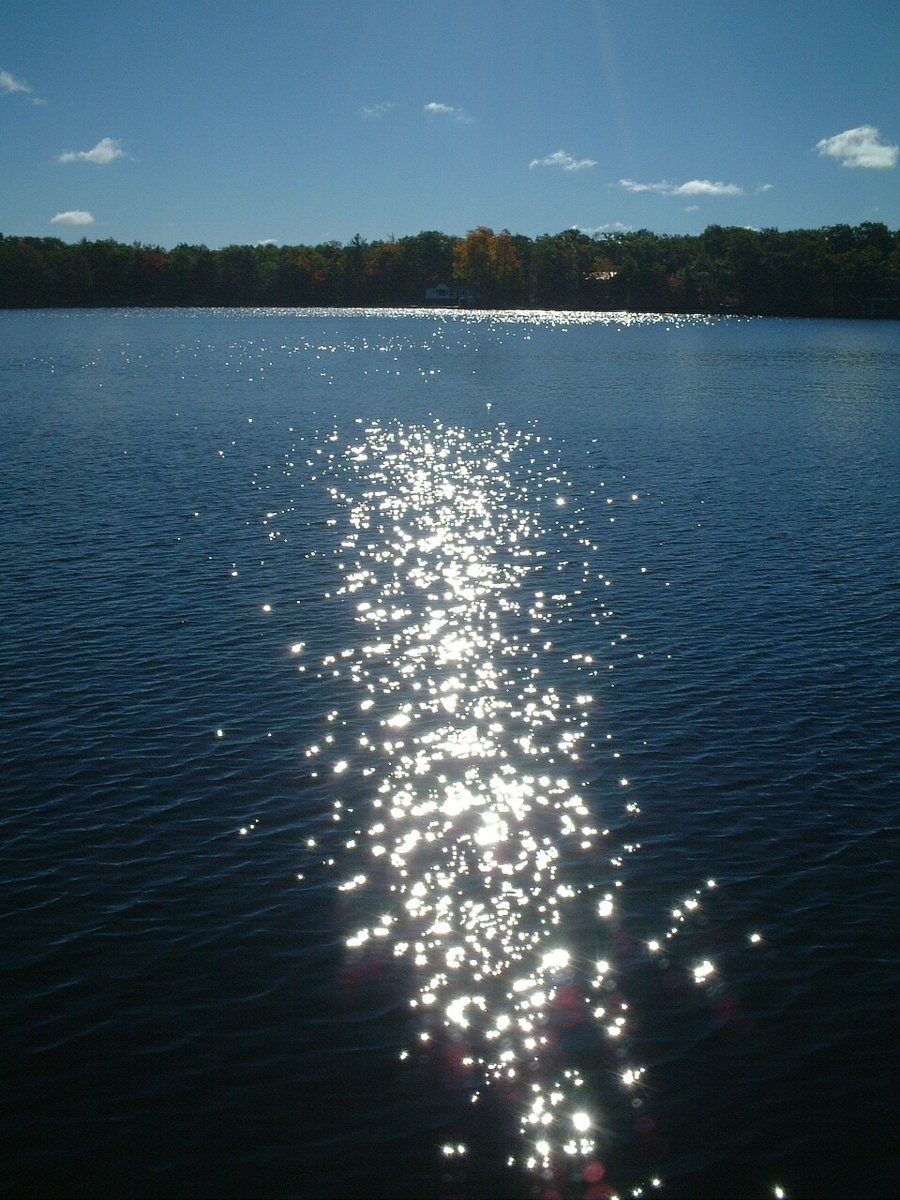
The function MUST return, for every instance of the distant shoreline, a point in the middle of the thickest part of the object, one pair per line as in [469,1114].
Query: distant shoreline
[839,271]
[425,309]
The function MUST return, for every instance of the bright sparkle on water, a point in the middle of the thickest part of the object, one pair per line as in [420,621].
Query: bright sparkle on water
[474,858]
[476,855]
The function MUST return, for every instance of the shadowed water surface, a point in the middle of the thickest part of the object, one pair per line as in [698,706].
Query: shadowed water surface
[448,754]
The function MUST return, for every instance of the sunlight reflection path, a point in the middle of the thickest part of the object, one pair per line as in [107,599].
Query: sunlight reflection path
[491,872]
[483,842]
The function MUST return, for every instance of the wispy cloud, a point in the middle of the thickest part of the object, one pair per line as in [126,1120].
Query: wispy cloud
[74,216]
[629,185]
[860,147]
[561,159]
[693,187]
[764,187]
[447,110]
[106,151]
[9,83]
[11,86]
[374,111]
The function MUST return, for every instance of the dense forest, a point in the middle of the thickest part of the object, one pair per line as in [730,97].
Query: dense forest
[838,271]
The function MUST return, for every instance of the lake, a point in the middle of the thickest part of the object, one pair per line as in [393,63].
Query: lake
[449,754]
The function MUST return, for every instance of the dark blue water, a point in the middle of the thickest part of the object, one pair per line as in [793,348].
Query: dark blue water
[448,755]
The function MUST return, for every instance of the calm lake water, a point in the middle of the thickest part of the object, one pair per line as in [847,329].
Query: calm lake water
[449,755]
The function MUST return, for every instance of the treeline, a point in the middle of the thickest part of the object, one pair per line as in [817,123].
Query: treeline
[838,271]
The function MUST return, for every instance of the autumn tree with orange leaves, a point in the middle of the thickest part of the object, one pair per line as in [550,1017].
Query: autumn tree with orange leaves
[488,262]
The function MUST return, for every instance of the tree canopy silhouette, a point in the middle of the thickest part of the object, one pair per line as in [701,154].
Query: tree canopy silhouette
[836,271]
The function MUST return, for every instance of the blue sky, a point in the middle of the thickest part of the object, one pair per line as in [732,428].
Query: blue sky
[305,121]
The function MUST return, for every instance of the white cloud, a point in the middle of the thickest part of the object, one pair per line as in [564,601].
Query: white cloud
[764,187]
[704,187]
[860,147]
[564,160]
[9,84]
[693,187]
[74,216]
[630,186]
[373,112]
[610,227]
[447,110]
[106,151]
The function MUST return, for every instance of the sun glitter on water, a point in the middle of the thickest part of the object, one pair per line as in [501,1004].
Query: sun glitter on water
[475,853]
[476,812]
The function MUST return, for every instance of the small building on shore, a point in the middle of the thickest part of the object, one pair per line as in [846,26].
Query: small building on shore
[450,294]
